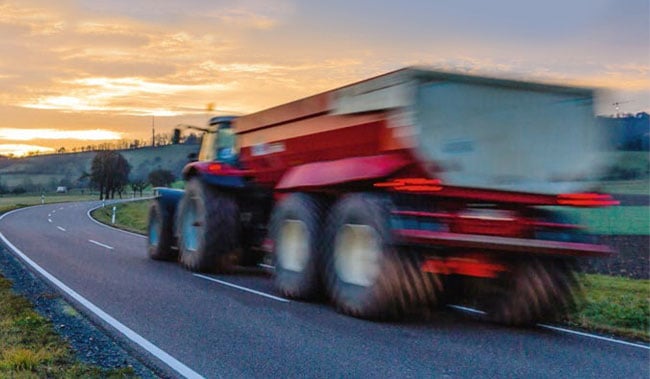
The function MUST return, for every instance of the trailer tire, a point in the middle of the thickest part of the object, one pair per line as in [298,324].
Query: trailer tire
[358,232]
[295,229]
[534,291]
[160,236]
[208,228]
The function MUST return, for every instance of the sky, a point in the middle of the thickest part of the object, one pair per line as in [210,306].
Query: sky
[80,72]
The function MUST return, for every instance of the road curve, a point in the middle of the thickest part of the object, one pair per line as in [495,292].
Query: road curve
[236,326]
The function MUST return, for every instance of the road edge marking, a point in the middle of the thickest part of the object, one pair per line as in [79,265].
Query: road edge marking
[559,329]
[245,289]
[595,336]
[154,350]
[61,228]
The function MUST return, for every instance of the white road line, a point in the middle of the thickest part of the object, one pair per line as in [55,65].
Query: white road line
[61,208]
[100,244]
[242,288]
[49,220]
[466,309]
[569,331]
[170,361]
[558,329]
[49,215]
[53,210]
[60,228]
[264,265]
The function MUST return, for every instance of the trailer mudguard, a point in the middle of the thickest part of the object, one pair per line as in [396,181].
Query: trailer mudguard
[348,170]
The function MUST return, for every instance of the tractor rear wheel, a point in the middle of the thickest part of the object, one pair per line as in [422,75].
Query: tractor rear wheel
[367,276]
[160,233]
[295,230]
[208,228]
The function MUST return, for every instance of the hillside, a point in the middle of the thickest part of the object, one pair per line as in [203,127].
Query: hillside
[46,172]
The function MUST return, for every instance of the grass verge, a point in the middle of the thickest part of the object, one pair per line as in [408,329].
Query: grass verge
[29,347]
[615,305]
[612,304]
[131,216]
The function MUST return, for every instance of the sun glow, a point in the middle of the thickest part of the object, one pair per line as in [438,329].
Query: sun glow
[15,134]
[20,150]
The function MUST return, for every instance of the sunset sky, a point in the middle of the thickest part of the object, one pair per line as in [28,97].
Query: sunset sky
[79,72]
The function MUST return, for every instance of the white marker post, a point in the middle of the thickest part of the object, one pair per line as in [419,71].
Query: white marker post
[113,217]
[42,198]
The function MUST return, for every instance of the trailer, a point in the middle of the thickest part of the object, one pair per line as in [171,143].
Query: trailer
[398,193]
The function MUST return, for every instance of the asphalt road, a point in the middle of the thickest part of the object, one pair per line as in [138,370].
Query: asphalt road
[192,325]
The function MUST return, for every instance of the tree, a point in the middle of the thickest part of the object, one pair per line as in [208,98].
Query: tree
[109,173]
[161,178]
[138,184]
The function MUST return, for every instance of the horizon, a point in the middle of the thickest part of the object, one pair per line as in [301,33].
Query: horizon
[84,72]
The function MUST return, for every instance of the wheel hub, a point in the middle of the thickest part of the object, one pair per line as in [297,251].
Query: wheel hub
[293,248]
[356,254]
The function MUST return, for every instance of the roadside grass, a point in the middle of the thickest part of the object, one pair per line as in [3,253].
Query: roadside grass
[615,305]
[131,216]
[612,304]
[29,347]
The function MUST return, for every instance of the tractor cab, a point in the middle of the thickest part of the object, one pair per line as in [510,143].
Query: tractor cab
[218,142]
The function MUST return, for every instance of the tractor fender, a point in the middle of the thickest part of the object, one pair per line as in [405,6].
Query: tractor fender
[168,197]
[341,171]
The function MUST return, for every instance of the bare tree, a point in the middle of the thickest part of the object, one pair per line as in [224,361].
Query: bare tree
[109,173]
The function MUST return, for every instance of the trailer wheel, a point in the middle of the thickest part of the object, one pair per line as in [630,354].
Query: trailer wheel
[366,275]
[208,228]
[160,233]
[295,230]
[534,291]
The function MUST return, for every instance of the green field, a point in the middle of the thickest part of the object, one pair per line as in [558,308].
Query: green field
[621,220]
[8,202]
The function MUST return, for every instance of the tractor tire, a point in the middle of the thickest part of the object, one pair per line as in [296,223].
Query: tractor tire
[160,236]
[533,291]
[366,275]
[295,229]
[208,228]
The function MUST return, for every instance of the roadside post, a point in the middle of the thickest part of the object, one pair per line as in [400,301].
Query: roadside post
[113,217]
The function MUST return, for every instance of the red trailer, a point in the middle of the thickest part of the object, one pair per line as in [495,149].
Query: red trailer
[397,192]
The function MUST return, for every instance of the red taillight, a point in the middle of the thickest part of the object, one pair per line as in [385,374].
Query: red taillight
[586,200]
[412,185]
[214,167]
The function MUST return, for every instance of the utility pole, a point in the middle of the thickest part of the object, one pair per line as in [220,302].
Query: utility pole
[153,131]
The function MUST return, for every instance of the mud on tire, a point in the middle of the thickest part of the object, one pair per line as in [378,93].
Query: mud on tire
[535,290]
[208,228]
[295,229]
[367,276]
[160,236]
